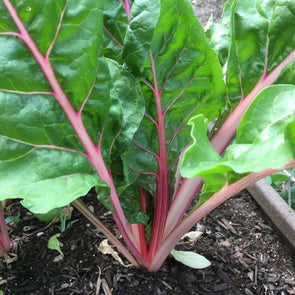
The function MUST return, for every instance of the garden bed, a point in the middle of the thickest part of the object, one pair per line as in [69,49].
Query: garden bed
[281,215]
[247,257]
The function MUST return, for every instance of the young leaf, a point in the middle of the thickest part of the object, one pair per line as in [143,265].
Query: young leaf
[257,44]
[54,244]
[188,78]
[218,34]
[115,26]
[266,136]
[191,259]
[144,17]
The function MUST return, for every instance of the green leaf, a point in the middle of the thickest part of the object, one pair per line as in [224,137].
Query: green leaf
[41,18]
[42,160]
[189,77]
[49,216]
[277,179]
[12,219]
[115,26]
[75,52]
[128,101]
[261,36]
[54,244]
[144,17]
[262,140]
[285,196]
[131,206]
[6,23]
[191,259]
[218,34]
[47,178]
[17,64]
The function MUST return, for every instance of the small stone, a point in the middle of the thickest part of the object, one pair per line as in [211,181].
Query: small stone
[28,228]
[58,258]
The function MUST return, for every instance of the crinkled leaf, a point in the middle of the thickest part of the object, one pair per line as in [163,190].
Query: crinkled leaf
[218,34]
[18,64]
[41,159]
[189,78]
[144,17]
[46,178]
[41,18]
[129,99]
[77,47]
[264,140]
[261,36]
[191,259]
[6,23]
[115,107]
[72,29]
[115,26]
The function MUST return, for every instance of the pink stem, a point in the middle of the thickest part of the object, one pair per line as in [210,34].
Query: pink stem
[127,7]
[162,199]
[220,141]
[138,228]
[5,241]
[218,198]
[94,155]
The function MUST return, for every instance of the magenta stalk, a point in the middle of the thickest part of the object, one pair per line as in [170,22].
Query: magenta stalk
[162,197]
[93,153]
[217,199]
[5,244]
[220,141]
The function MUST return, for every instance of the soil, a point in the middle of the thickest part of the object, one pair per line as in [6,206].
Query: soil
[246,254]
[204,9]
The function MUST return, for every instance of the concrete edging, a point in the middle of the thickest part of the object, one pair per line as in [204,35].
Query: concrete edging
[277,210]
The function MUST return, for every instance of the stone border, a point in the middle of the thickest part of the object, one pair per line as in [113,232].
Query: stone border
[277,210]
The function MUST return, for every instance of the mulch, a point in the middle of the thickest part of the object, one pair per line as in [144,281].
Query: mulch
[246,254]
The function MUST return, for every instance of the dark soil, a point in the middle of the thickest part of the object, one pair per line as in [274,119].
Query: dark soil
[246,254]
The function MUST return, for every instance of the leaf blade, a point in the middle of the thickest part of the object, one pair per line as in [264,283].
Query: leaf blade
[191,259]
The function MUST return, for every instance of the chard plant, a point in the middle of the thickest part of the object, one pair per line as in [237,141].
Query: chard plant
[5,243]
[116,95]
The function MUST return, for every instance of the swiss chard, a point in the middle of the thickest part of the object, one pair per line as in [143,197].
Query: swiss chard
[100,94]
